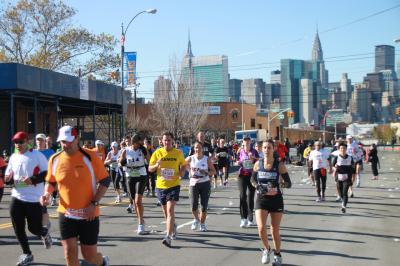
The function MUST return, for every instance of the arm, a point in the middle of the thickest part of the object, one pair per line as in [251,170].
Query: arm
[101,190]
[253,179]
[188,160]
[123,156]
[285,175]
[108,159]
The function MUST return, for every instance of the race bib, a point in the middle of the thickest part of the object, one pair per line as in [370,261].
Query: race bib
[114,165]
[223,154]
[248,164]
[77,214]
[167,174]
[133,172]
[342,177]
[272,190]
[20,184]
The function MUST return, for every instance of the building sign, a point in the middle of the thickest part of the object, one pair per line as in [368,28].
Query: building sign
[130,68]
[214,110]
[84,89]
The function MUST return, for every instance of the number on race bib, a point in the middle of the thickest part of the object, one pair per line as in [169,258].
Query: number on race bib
[167,173]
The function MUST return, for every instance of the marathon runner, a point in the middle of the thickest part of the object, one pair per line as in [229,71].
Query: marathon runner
[26,170]
[319,159]
[200,170]
[343,171]
[306,154]
[136,175]
[354,151]
[246,159]
[266,179]
[223,158]
[170,166]
[112,163]
[77,172]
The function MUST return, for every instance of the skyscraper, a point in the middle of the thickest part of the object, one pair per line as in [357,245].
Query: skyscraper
[384,57]
[162,87]
[207,74]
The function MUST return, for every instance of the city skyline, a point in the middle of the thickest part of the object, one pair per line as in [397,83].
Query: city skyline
[254,37]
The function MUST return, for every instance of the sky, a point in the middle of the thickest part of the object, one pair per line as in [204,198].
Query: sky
[254,34]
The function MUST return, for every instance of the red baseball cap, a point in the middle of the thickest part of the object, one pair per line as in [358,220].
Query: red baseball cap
[20,135]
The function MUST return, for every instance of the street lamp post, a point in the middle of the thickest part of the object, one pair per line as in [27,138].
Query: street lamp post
[123,33]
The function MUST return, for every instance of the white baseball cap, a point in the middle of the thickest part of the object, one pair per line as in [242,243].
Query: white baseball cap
[114,144]
[99,142]
[67,133]
[349,137]
[41,136]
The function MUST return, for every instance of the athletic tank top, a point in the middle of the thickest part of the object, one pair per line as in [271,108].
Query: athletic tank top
[114,159]
[269,179]
[198,170]
[135,163]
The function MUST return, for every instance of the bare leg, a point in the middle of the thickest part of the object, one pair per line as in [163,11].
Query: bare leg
[261,218]
[276,218]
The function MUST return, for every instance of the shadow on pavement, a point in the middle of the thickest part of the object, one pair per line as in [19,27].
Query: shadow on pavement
[326,253]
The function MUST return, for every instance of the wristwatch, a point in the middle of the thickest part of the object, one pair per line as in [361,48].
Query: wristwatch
[95,202]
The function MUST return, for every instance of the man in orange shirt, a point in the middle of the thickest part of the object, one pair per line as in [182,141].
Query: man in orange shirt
[77,172]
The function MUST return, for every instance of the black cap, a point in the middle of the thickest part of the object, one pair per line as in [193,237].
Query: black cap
[246,137]
[136,138]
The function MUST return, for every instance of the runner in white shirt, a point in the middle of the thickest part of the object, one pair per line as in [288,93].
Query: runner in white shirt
[201,168]
[113,168]
[354,151]
[319,159]
[26,170]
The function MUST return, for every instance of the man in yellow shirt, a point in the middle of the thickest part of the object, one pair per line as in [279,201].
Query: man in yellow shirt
[170,166]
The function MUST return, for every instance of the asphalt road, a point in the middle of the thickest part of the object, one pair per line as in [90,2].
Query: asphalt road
[312,233]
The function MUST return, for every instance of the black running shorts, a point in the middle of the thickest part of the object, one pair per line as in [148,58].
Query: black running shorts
[164,195]
[87,232]
[269,203]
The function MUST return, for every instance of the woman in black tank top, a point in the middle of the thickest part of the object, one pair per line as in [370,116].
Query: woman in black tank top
[267,174]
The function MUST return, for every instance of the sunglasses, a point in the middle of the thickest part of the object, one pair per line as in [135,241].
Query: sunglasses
[19,141]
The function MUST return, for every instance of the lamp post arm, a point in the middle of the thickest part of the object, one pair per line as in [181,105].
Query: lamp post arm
[287,109]
[126,29]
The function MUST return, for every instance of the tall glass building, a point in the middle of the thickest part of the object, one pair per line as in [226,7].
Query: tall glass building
[207,74]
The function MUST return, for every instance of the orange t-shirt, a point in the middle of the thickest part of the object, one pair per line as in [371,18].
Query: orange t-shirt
[101,153]
[77,179]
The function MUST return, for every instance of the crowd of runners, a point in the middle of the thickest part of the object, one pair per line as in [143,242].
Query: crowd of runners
[75,178]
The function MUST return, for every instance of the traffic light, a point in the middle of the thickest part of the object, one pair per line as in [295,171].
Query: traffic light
[398,111]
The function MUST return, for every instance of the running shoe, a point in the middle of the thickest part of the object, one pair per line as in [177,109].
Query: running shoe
[266,255]
[129,208]
[203,228]
[338,199]
[243,223]
[323,198]
[25,259]
[250,223]
[277,261]
[47,241]
[166,241]
[124,194]
[118,199]
[53,201]
[195,224]
[106,261]
[319,199]
[140,229]
[351,195]
[358,183]
[174,232]
[343,209]
[158,203]
[148,193]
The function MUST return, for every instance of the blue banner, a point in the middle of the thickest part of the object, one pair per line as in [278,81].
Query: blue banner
[129,68]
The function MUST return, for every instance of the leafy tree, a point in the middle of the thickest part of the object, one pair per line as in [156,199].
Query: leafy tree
[40,33]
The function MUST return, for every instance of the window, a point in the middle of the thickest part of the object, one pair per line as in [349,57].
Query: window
[253,122]
[259,126]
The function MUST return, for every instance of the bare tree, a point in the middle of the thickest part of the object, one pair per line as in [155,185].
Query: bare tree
[179,108]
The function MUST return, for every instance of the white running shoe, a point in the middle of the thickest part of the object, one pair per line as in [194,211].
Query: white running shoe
[167,241]
[277,261]
[140,229]
[358,183]
[243,223]
[195,224]
[106,261]
[338,199]
[250,223]
[117,199]
[25,259]
[266,255]
[47,241]
[203,228]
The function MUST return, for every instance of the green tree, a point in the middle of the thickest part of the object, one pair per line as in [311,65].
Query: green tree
[40,33]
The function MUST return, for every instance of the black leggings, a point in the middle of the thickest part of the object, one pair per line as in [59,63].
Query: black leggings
[115,177]
[319,178]
[32,212]
[374,166]
[123,180]
[246,200]
[201,190]
[343,189]
[151,182]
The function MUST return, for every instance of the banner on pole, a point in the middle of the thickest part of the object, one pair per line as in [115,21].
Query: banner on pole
[130,68]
